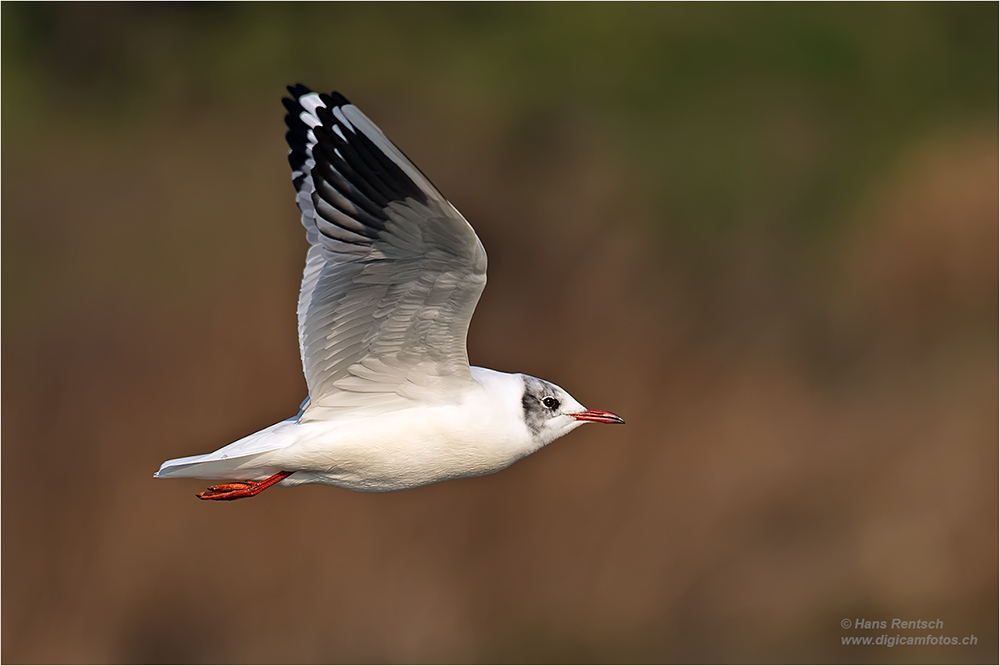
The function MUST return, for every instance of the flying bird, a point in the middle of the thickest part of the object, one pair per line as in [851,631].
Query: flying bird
[392,277]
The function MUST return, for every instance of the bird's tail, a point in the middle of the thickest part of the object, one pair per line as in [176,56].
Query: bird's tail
[243,460]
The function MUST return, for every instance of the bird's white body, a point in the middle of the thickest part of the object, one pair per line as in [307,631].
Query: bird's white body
[482,433]
[392,277]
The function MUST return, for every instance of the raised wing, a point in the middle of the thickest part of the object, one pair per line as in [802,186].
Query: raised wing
[394,272]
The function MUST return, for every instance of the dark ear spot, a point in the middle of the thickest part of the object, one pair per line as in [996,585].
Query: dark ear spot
[535,412]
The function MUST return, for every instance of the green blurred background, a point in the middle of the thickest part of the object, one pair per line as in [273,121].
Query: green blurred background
[765,234]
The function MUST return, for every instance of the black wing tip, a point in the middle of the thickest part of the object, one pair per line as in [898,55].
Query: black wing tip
[331,100]
[298,90]
[351,176]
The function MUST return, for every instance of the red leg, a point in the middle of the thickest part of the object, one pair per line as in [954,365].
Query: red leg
[240,489]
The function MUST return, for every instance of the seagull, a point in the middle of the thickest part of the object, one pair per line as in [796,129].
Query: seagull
[392,277]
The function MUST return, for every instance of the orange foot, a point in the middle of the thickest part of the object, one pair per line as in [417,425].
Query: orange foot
[241,489]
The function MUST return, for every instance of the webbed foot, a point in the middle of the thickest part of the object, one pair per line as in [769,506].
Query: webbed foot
[241,489]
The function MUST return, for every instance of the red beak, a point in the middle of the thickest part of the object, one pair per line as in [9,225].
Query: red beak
[598,416]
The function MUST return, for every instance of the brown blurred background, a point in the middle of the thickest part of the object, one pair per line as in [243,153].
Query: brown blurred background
[764,234]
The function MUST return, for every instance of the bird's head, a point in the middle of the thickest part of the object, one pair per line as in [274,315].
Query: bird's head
[550,412]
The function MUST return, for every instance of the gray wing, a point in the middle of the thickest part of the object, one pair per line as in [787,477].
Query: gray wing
[394,272]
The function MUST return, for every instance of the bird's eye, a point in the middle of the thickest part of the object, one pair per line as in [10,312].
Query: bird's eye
[550,402]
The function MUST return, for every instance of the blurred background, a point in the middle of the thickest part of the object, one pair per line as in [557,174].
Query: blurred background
[764,234]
